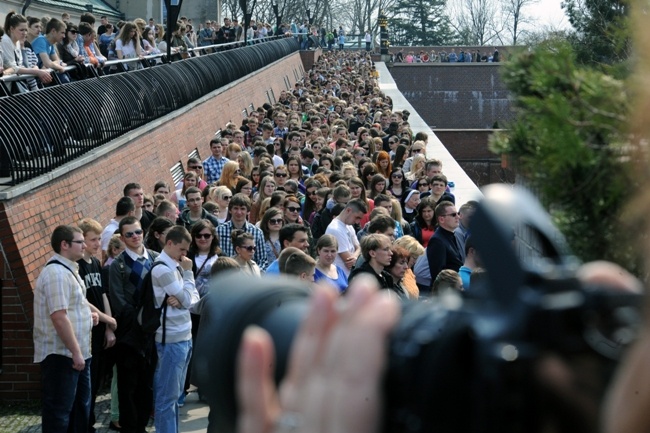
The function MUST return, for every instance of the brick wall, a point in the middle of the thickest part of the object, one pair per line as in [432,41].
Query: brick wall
[92,190]
[455,96]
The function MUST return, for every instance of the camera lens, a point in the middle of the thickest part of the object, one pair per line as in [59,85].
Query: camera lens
[235,302]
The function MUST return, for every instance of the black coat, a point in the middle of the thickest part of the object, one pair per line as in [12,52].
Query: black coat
[443,252]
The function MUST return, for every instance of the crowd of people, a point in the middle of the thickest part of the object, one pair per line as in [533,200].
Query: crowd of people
[38,47]
[464,55]
[328,184]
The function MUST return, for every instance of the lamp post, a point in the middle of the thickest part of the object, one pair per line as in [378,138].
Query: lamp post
[173,10]
[309,18]
[278,18]
[383,36]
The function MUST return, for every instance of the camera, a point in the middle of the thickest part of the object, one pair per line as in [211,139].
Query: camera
[529,349]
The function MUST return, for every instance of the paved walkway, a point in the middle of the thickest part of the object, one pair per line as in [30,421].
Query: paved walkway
[464,188]
[193,418]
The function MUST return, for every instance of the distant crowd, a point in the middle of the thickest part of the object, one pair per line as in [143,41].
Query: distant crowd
[442,56]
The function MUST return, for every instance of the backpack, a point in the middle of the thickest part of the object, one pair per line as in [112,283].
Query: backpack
[149,316]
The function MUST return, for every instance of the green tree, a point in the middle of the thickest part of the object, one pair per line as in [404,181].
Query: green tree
[569,142]
[601,30]
[419,22]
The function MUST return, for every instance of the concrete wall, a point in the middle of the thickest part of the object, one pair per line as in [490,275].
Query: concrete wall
[455,96]
[90,187]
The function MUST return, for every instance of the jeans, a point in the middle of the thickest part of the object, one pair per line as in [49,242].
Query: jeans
[169,383]
[134,381]
[66,395]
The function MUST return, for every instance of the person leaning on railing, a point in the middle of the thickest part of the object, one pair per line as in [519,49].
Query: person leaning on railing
[44,47]
[13,60]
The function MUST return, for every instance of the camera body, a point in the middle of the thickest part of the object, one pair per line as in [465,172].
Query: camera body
[530,349]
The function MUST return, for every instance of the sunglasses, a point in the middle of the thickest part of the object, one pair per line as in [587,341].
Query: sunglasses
[129,235]
[417,150]
[313,192]
[196,167]
[204,236]
[397,176]
[74,32]
[454,215]
[293,209]
[276,221]
[280,174]
[249,248]
[227,197]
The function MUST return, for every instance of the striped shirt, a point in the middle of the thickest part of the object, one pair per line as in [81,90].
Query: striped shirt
[170,279]
[59,287]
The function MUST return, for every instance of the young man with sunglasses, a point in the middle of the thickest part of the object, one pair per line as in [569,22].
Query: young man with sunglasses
[134,370]
[194,211]
[443,250]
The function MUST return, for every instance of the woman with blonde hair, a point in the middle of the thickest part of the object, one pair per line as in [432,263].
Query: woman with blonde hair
[245,164]
[266,189]
[221,195]
[415,250]
[417,168]
[229,175]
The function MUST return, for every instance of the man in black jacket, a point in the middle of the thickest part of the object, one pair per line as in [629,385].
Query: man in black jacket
[376,251]
[443,251]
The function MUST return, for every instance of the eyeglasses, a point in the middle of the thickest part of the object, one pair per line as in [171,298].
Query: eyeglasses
[204,236]
[77,242]
[129,235]
[280,174]
[293,209]
[453,215]
[196,167]
[276,221]
[249,248]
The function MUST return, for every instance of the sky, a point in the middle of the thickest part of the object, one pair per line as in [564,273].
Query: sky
[549,13]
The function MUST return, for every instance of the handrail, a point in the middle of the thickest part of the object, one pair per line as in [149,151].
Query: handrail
[39,133]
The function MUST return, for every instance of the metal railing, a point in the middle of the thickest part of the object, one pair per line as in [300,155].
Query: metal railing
[120,65]
[44,129]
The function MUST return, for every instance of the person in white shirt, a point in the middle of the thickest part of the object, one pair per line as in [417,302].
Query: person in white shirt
[341,228]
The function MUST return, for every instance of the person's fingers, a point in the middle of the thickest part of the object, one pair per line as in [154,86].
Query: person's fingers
[360,351]
[258,400]
[309,343]
[609,274]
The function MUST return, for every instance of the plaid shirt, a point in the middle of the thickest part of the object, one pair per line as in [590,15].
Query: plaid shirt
[212,168]
[60,288]
[224,231]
